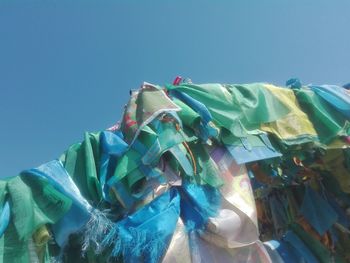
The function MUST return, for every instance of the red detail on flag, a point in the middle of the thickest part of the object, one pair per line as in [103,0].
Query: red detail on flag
[128,121]
[177,80]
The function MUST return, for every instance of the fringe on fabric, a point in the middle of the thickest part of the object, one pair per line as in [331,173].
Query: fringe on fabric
[95,231]
[134,243]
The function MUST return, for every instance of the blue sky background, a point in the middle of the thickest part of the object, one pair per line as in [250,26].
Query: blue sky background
[67,66]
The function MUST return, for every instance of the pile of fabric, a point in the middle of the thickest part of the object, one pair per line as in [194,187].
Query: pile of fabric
[194,173]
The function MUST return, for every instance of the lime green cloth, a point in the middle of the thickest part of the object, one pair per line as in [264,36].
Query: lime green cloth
[34,203]
[166,148]
[207,170]
[155,139]
[187,115]
[81,161]
[327,121]
[250,104]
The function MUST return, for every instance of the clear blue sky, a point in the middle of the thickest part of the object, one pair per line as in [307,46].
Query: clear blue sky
[67,66]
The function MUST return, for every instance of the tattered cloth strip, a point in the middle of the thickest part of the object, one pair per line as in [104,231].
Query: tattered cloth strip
[179,177]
